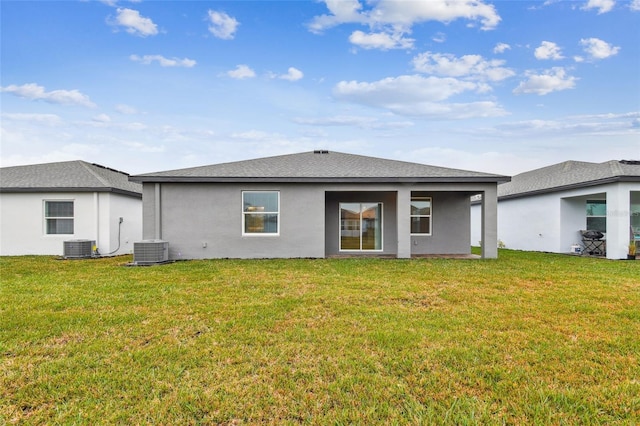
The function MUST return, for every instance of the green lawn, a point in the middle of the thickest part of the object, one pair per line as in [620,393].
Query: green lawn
[528,338]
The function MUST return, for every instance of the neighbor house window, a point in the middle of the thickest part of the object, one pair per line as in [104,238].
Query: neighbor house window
[597,215]
[260,212]
[420,215]
[58,217]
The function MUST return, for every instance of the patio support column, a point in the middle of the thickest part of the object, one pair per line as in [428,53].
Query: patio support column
[618,221]
[403,213]
[490,223]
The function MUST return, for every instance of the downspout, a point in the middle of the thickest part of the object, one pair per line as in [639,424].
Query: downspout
[96,206]
[157,212]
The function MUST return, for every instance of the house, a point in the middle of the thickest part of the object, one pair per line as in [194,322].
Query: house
[545,209]
[316,204]
[44,205]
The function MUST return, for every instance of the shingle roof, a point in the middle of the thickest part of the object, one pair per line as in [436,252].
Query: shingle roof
[66,176]
[568,175]
[319,166]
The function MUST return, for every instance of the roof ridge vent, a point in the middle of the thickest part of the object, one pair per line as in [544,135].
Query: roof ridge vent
[321,151]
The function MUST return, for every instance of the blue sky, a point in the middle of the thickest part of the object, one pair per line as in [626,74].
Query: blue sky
[143,86]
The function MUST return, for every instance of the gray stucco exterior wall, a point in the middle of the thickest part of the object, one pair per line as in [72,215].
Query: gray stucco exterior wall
[204,220]
[451,225]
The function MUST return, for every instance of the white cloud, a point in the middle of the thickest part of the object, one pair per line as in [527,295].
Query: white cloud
[506,163]
[548,50]
[45,119]
[403,14]
[441,37]
[164,62]
[390,20]
[126,109]
[598,49]
[222,25]
[552,80]
[101,118]
[501,48]
[34,91]
[405,88]
[472,66]
[134,23]
[382,40]
[353,121]
[241,72]
[603,6]
[635,5]
[341,11]
[415,95]
[586,124]
[293,74]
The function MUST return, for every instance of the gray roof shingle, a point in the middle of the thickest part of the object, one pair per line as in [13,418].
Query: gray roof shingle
[319,167]
[568,175]
[67,176]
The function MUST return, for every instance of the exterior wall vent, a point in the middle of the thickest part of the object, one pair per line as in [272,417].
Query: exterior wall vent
[78,249]
[148,252]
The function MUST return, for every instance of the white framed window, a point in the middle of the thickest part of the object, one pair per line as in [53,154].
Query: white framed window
[361,227]
[421,215]
[260,212]
[58,217]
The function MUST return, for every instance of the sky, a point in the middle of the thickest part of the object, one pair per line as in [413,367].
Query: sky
[494,86]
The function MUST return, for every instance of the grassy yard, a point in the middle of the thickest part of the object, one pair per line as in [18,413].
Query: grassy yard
[528,338]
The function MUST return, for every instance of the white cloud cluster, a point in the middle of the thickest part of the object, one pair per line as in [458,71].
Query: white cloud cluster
[36,92]
[598,49]
[469,66]
[126,109]
[501,48]
[241,72]
[552,80]
[634,5]
[353,121]
[415,95]
[49,120]
[548,50]
[134,23]
[293,74]
[429,95]
[222,25]
[164,62]
[603,6]
[391,20]
[382,41]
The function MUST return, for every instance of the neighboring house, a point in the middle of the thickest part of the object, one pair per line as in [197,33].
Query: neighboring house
[545,209]
[43,205]
[316,204]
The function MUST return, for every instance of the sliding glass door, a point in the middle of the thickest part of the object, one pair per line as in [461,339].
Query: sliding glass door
[360,226]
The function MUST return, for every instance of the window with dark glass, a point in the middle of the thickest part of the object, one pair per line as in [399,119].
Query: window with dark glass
[420,215]
[58,217]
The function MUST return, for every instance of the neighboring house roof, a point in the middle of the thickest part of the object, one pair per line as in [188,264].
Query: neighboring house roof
[319,166]
[67,176]
[569,175]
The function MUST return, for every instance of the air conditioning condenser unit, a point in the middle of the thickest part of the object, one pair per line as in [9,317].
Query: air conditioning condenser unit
[78,249]
[148,252]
